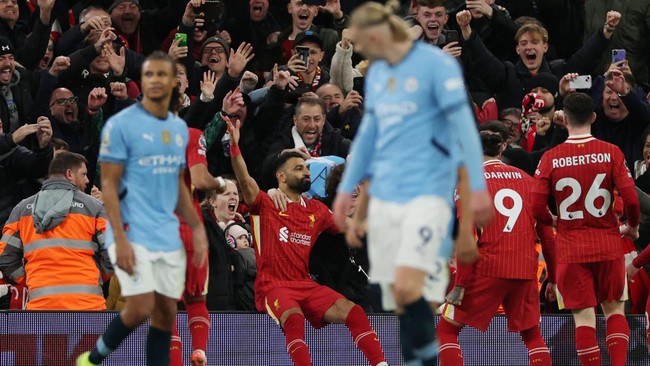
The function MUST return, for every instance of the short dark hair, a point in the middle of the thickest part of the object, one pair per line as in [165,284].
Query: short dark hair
[283,158]
[579,108]
[333,179]
[512,111]
[162,56]
[491,142]
[66,160]
[432,3]
[497,127]
[59,144]
[309,101]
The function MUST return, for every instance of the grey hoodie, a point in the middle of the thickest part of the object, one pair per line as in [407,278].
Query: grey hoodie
[52,204]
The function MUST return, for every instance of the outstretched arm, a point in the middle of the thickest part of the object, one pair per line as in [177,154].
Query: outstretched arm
[248,185]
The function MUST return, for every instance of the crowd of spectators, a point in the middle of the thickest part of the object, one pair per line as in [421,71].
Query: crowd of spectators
[290,73]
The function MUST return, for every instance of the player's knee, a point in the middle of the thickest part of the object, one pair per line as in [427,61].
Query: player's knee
[613,308]
[406,293]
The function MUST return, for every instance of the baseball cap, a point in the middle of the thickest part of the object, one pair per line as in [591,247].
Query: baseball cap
[6,47]
[216,39]
[118,2]
[308,36]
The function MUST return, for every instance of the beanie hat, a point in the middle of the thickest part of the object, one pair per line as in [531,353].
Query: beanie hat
[216,39]
[544,80]
[118,2]
[233,232]
[6,47]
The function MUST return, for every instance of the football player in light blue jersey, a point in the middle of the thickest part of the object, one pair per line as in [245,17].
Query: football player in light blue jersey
[417,130]
[142,158]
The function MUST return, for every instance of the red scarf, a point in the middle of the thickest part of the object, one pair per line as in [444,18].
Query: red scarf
[315,82]
[315,151]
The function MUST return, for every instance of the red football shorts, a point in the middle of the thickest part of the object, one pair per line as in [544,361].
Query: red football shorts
[484,295]
[585,285]
[196,279]
[313,301]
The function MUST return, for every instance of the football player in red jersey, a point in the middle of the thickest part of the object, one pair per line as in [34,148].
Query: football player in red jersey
[581,174]
[283,241]
[506,272]
[197,177]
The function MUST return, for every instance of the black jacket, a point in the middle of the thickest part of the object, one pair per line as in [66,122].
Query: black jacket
[626,134]
[221,292]
[29,45]
[508,80]
[17,167]
[332,143]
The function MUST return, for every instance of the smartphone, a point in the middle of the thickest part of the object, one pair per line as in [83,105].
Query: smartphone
[303,54]
[451,36]
[581,82]
[618,55]
[212,10]
[182,37]
[358,84]
[314,2]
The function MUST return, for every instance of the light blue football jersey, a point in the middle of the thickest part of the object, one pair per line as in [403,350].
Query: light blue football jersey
[418,128]
[152,151]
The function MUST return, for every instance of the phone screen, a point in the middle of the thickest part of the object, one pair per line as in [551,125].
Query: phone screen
[451,36]
[303,54]
[358,85]
[618,55]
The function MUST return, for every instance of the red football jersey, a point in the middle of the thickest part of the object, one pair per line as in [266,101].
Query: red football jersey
[195,154]
[582,174]
[284,239]
[507,244]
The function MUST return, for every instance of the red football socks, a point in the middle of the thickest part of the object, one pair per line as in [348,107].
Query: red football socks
[198,320]
[449,353]
[618,337]
[538,352]
[176,349]
[364,336]
[587,346]
[294,332]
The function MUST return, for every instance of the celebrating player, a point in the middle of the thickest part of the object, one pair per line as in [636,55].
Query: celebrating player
[581,174]
[417,128]
[506,272]
[142,158]
[283,240]
[198,319]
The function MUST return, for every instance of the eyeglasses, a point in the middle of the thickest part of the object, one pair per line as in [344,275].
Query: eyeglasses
[217,49]
[64,101]
[509,123]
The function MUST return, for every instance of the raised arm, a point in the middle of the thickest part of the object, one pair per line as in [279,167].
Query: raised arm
[248,185]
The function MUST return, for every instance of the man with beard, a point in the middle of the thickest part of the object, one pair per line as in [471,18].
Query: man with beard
[283,241]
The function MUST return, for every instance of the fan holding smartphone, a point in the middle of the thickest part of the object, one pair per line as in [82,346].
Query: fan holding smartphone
[308,53]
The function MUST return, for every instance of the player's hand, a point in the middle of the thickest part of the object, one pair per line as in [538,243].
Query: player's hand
[630,232]
[481,204]
[279,199]
[233,130]
[200,257]
[342,205]
[355,231]
[125,257]
[455,296]
[466,248]
[550,292]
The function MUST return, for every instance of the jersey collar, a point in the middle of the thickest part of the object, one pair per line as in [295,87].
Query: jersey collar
[579,139]
[492,162]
